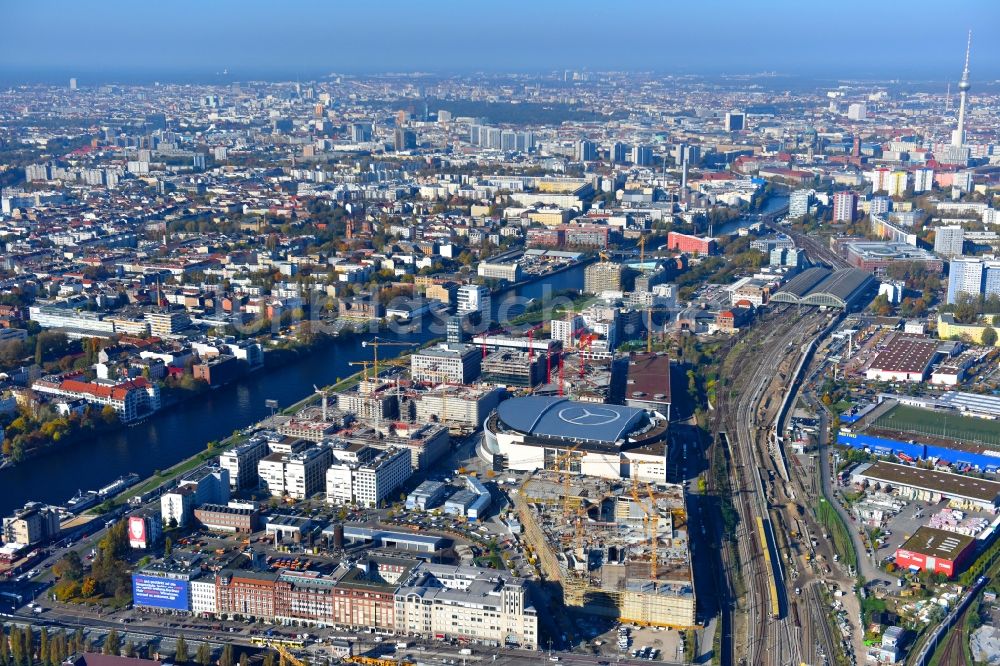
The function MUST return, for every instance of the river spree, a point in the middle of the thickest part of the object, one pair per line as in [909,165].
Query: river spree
[179,432]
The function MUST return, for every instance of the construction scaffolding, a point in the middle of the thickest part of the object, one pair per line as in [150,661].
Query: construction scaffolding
[621,555]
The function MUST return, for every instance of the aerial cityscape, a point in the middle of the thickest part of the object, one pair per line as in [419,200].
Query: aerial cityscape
[392,335]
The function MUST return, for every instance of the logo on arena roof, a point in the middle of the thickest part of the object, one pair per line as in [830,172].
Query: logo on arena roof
[588,416]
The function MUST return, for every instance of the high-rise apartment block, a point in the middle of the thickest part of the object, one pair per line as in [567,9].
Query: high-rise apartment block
[974,276]
[923,180]
[948,240]
[845,206]
[735,121]
[602,276]
[798,203]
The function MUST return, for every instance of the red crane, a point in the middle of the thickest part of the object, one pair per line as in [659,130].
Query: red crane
[560,375]
[531,341]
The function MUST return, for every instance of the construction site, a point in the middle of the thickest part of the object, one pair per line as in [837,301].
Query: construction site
[617,548]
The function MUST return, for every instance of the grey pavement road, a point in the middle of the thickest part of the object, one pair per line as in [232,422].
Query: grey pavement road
[866,565]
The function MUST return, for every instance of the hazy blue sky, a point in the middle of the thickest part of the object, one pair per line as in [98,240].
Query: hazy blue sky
[111,39]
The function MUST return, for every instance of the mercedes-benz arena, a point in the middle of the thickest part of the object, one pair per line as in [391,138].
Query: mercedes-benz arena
[609,441]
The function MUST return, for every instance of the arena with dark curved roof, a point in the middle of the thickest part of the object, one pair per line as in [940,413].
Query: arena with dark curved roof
[547,432]
[564,419]
[847,288]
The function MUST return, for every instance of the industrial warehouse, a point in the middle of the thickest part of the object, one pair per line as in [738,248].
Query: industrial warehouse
[934,550]
[931,485]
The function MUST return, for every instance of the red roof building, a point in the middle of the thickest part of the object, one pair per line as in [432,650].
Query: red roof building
[131,400]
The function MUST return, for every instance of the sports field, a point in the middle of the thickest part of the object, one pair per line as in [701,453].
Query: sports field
[927,422]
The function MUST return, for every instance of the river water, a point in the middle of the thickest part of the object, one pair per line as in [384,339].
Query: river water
[774,203]
[179,432]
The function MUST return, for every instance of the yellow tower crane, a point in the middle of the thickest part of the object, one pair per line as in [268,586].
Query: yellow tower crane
[375,343]
[635,474]
[383,363]
[286,655]
[566,476]
[364,364]
[440,377]
[557,468]
[649,520]
[655,527]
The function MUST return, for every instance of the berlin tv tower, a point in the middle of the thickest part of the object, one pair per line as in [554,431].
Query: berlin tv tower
[958,136]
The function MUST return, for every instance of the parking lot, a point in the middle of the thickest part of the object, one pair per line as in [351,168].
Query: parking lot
[642,643]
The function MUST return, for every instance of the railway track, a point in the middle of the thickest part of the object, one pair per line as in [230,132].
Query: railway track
[953,651]
[820,619]
[722,557]
[816,248]
[771,634]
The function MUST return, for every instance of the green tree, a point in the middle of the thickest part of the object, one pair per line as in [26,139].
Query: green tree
[204,655]
[60,651]
[226,658]
[881,305]
[129,649]
[967,308]
[43,646]
[17,649]
[28,641]
[109,415]
[989,336]
[4,648]
[268,658]
[181,651]
[168,546]
[112,644]
[53,657]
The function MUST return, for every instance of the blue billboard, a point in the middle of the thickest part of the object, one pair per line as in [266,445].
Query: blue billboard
[157,592]
[983,459]
[882,446]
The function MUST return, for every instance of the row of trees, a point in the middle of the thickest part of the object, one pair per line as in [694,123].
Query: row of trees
[23,646]
[967,308]
[203,655]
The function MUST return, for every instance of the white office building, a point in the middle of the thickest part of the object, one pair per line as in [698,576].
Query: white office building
[449,362]
[857,111]
[468,604]
[473,298]
[203,596]
[368,483]
[457,405]
[564,330]
[241,462]
[297,475]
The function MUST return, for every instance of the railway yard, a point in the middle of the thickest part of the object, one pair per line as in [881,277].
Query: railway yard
[767,625]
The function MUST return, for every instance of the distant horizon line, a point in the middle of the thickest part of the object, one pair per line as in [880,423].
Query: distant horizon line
[152,76]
